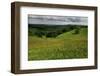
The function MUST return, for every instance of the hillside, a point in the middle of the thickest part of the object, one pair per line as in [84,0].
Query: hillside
[70,34]
[68,45]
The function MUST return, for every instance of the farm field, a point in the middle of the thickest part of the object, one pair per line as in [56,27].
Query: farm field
[71,44]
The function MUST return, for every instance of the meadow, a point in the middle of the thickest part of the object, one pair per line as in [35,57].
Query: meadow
[57,42]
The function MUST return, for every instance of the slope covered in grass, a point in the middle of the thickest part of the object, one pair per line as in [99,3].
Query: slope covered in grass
[65,46]
[70,34]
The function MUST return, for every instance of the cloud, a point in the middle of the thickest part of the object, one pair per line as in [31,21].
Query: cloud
[57,20]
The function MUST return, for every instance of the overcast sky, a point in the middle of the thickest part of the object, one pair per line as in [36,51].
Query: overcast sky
[57,20]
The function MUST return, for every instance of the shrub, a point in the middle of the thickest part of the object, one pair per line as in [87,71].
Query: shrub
[39,34]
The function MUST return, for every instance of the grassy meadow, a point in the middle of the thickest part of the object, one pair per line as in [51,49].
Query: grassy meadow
[57,42]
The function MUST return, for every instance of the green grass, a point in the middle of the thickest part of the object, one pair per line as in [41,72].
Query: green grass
[64,46]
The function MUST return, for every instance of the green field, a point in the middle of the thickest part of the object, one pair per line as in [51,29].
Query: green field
[64,46]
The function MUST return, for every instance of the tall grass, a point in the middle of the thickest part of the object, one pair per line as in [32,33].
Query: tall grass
[65,46]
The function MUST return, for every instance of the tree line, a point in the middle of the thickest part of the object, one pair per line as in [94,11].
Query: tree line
[52,30]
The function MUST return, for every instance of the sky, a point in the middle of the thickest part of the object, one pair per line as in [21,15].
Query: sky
[57,20]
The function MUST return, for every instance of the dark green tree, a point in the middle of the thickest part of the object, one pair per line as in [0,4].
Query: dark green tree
[77,30]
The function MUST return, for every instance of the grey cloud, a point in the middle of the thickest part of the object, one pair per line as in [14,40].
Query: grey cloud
[57,20]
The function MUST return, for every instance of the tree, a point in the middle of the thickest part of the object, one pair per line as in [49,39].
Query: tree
[77,30]
[51,34]
[64,30]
